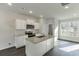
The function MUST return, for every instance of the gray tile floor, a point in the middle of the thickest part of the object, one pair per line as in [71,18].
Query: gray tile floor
[57,52]
[53,52]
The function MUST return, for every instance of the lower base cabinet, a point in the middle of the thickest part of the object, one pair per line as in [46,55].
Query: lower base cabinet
[38,49]
[20,41]
[50,44]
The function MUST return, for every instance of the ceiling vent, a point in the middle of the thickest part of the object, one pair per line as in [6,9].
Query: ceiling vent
[64,4]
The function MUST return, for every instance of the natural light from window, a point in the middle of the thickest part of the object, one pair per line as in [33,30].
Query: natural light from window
[70,48]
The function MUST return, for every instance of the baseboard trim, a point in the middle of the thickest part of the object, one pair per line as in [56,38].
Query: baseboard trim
[20,47]
[8,48]
[68,40]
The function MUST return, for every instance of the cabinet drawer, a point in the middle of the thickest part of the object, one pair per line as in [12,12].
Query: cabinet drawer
[50,44]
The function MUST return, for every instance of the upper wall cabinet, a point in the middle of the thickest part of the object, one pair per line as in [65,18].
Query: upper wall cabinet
[33,22]
[37,25]
[20,24]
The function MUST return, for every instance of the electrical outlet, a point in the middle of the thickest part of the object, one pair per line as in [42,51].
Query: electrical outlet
[9,43]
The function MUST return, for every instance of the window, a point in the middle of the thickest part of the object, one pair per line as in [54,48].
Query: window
[69,28]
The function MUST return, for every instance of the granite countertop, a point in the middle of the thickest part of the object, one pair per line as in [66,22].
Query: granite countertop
[36,40]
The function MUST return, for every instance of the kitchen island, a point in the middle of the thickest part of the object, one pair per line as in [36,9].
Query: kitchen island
[38,46]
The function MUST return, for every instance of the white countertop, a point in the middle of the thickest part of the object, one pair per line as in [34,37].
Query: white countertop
[36,40]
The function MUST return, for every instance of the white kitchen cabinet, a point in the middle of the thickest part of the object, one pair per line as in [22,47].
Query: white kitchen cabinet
[35,49]
[20,24]
[36,25]
[20,41]
[50,44]
[38,49]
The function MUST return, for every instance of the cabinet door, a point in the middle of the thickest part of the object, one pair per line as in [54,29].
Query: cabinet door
[20,41]
[50,44]
[43,47]
[36,25]
[20,24]
[36,49]
[40,48]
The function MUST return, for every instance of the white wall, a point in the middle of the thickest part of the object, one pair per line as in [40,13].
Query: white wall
[7,28]
[56,31]
[44,25]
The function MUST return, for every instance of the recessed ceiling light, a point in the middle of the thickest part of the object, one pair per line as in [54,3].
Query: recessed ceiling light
[10,4]
[41,15]
[30,12]
[74,14]
[66,7]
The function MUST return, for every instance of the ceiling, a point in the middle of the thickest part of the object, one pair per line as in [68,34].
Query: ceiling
[48,10]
